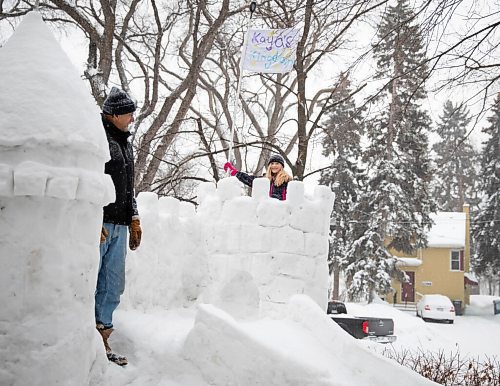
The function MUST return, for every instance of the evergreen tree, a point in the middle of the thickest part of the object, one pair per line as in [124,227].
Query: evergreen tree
[343,130]
[393,211]
[455,177]
[486,227]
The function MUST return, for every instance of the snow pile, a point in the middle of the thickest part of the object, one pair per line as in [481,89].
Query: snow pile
[482,305]
[52,189]
[304,348]
[247,255]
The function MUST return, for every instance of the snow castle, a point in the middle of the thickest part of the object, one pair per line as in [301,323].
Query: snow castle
[246,255]
[52,190]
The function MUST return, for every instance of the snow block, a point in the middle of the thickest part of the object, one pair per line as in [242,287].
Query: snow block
[6,180]
[239,295]
[273,213]
[288,240]
[147,201]
[281,289]
[186,210]
[62,187]
[254,238]
[30,179]
[95,188]
[221,266]
[268,266]
[90,188]
[295,193]
[218,238]
[205,190]
[264,268]
[325,195]
[309,217]
[189,234]
[316,244]
[169,205]
[228,188]
[210,209]
[108,188]
[232,239]
[241,210]
[260,189]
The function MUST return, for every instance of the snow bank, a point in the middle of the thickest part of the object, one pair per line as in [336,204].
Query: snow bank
[52,154]
[282,246]
[304,348]
[482,305]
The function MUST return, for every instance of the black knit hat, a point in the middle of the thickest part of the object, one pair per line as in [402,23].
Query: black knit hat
[118,102]
[276,158]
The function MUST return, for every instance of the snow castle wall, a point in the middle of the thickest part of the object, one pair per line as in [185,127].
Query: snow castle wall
[52,190]
[247,255]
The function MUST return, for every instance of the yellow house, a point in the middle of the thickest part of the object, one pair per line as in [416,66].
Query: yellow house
[443,266]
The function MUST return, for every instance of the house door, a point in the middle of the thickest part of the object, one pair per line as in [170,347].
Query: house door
[408,288]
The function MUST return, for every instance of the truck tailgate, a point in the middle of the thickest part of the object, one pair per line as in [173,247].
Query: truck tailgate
[380,326]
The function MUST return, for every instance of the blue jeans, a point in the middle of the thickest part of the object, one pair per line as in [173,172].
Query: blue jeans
[111,277]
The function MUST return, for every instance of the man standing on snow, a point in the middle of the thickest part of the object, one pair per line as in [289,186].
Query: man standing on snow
[119,217]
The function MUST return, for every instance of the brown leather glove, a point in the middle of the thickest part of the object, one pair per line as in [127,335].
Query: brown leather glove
[104,235]
[135,234]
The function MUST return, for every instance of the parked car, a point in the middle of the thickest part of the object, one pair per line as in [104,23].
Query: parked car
[336,307]
[436,307]
[370,328]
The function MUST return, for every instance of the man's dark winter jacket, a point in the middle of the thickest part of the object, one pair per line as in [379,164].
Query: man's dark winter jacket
[278,192]
[121,170]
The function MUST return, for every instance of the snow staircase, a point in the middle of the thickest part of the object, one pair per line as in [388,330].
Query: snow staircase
[406,307]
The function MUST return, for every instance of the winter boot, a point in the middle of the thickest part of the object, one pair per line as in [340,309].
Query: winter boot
[115,358]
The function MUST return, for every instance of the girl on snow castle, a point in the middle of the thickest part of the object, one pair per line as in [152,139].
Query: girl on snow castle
[278,177]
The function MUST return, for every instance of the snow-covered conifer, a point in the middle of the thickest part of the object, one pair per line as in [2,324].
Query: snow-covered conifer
[455,176]
[343,130]
[486,227]
[394,208]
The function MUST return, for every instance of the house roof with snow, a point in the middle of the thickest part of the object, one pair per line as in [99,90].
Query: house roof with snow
[408,261]
[448,230]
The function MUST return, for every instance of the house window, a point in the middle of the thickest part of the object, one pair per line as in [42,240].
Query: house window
[457,260]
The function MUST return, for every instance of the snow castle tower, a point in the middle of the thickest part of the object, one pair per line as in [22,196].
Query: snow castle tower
[52,190]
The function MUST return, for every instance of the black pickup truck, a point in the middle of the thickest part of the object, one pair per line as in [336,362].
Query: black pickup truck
[375,329]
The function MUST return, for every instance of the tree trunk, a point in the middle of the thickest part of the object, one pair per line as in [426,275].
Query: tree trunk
[300,164]
[371,294]
[200,52]
[335,281]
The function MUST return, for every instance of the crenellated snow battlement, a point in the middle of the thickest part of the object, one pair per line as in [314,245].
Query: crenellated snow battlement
[247,255]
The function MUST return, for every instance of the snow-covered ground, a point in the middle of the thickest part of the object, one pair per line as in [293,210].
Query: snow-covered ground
[154,340]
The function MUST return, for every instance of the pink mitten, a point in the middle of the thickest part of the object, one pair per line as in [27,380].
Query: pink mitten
[228,167]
